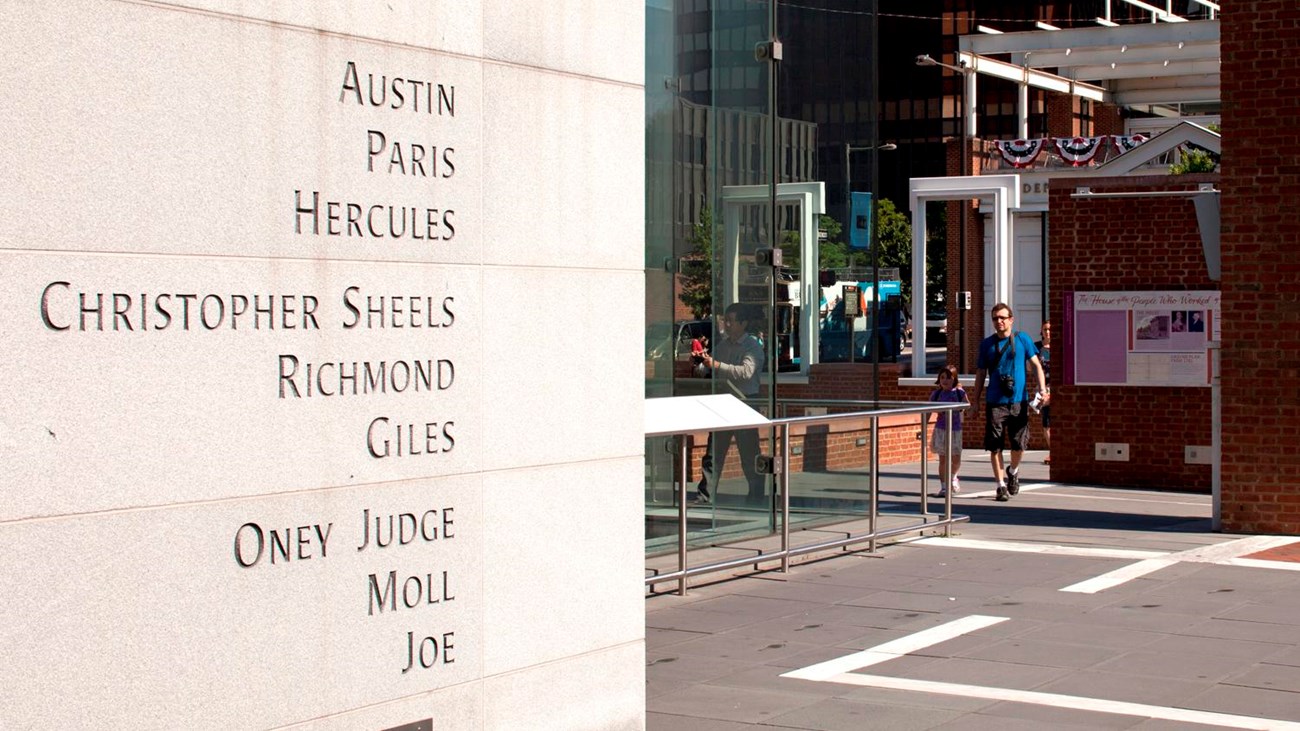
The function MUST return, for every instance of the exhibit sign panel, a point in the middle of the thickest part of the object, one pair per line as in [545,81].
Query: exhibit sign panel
[1141,338]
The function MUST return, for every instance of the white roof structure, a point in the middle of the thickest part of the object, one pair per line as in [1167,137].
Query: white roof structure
[1162,64]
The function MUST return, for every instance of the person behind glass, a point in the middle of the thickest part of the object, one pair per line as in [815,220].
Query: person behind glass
[737,359]
[951,392]
[1045,357]
[699,346]
[1006,357]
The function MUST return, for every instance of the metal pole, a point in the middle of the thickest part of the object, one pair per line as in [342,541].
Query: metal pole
[784,483]
[961,244]
[952,479]
[684,456]
[925,467]
[873,322]
[848,189]
[774,237]
[872,500]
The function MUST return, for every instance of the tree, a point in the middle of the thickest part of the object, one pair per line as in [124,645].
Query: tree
[697,268]
[832,252]
[894,237]
[1194,160]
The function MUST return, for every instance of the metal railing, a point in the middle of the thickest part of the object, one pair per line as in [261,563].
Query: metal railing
[781,471]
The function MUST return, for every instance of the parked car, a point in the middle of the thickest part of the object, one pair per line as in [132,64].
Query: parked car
[686,332]
[936,327]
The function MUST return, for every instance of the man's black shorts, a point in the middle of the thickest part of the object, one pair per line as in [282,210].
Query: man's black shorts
[1006,420]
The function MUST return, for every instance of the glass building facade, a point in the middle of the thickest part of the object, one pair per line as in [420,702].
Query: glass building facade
[731,134]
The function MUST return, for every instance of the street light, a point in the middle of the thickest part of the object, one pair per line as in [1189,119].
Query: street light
[966,73]
[849,149]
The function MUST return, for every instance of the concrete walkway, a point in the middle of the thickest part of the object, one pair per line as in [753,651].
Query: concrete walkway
[1070,607]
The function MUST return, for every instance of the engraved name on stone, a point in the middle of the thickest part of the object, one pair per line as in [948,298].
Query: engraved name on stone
[317,214]
[392,591]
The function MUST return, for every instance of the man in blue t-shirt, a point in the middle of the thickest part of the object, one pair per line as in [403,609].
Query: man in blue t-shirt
[1006,356]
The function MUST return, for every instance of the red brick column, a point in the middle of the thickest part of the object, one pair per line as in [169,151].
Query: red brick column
[1261,266]
[1061,121]
[974,261]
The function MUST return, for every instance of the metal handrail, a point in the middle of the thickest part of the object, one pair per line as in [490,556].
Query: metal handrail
[781,439]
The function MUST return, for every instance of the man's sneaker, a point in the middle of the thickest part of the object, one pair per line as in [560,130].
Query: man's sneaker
[1013,482]
[942,493]
[956,486]
[1002,494]
[702,492]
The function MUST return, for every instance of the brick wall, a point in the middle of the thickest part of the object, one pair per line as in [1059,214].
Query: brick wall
[973,332]
[1061,119]
[1127,244]
[834,447]
[1261,266]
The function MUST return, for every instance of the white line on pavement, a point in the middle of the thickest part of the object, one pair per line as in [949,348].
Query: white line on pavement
[1218,552]
[1042,548]
[1023,488]
[840,670]
[1258,563]
[1057,700]
[895,648]
[1127,499]
[1227,553]
[1120,575]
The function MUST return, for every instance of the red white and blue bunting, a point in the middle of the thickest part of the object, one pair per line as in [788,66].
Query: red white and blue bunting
[1021,153]
[1124,143]
[1077,151]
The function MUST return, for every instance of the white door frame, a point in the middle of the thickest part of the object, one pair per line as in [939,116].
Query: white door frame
[811,198]
[1003,193]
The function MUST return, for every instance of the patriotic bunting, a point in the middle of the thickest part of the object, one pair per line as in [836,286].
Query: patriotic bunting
[1078,151]
[1021,153]
[1124,143]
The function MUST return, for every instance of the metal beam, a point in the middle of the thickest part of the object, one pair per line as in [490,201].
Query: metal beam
[1160,13]
[1032,77]
[1188,95]
[1144,34]
[1061,59]
[1168,69]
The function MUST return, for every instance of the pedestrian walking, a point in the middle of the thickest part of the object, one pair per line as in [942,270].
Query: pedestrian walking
[1005,359]
[949,391]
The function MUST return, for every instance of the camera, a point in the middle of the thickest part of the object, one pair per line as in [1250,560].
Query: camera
[1008,384]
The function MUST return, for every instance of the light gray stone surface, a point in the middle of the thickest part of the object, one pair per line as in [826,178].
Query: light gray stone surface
[213,154]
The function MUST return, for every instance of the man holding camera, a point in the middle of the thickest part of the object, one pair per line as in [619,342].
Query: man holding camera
[1005,357]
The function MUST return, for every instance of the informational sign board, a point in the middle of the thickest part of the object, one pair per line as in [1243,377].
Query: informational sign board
[860,221]
[1140,338]
[852,297]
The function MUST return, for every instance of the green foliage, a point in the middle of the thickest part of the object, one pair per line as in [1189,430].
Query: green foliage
[697,268]
[1194,161]
[894,234]
[831,253]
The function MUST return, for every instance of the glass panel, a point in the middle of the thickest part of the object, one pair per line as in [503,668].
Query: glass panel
[703,139]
